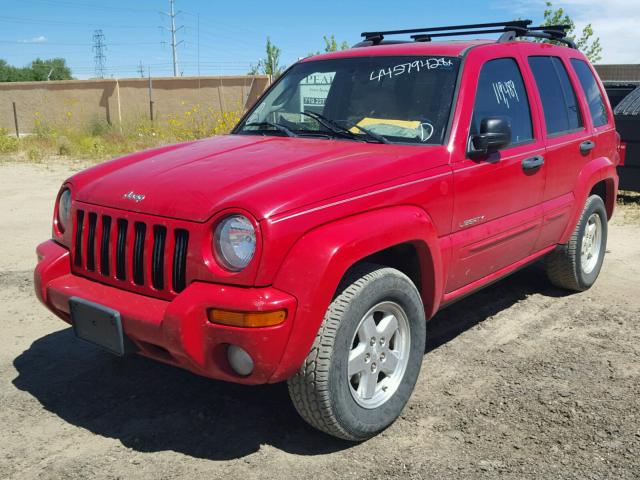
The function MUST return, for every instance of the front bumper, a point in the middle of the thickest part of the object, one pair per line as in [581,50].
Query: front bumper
[177,331]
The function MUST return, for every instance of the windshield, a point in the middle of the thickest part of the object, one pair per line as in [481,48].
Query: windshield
[399,99]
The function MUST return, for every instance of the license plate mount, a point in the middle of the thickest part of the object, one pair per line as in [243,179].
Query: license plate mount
[99,325]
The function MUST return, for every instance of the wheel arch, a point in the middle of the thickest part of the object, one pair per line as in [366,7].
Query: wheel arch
[329,251]
[606,189]
[597,177]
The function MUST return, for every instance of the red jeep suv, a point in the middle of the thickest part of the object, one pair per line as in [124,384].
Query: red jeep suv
[363,192]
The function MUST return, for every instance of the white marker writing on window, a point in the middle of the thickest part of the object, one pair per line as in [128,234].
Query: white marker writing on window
[411,67]
[505,92]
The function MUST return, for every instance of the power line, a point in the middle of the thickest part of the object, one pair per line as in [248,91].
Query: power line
[91,6]
[172,14]
[99,56]
[46,43]
[7,19]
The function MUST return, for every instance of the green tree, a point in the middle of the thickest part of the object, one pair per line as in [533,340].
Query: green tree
[270,65]
[586,41]
[53,69]
[36,71]
[331,45]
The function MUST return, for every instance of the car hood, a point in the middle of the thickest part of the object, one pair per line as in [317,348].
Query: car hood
[264,175]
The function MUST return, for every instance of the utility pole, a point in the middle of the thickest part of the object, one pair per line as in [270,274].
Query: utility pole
[172,14]
[150,96]
[99,57]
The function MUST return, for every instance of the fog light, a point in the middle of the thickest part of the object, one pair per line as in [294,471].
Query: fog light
[240,360]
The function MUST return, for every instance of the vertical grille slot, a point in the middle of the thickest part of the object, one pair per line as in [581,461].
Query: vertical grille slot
[180,260]
[91,242]
[157,259]
[104,245]
[138,253]
[79,226]
[121,249]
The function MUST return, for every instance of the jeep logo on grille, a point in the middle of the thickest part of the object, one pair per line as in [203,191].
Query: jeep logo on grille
[136,197]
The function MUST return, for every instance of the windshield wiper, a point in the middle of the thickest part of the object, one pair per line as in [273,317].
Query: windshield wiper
[281,128]
[337,128]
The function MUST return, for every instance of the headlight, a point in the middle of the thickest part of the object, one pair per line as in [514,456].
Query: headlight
[235,242]
[64,210]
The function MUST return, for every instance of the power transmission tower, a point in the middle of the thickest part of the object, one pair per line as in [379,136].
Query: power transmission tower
[172,14]
[99,57]
[141,69]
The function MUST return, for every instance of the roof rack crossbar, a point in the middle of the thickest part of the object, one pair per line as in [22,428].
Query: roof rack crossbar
[510,31]
[557,33]
[421,37]
[550,36]
[554,28]
[378,36]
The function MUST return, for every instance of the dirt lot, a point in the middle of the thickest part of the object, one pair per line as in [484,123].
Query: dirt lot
[518,381]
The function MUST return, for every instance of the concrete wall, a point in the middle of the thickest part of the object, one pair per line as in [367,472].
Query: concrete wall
[619,73]
[81,102]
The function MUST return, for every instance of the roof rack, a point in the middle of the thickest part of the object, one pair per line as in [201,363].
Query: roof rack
[510,31]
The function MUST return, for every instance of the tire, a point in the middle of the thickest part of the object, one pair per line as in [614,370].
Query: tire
[358,406]
[575,266]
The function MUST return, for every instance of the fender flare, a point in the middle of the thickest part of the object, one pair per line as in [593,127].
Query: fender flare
[317,262]
[598,169]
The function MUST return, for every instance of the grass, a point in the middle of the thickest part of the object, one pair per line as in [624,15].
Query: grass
[99,140]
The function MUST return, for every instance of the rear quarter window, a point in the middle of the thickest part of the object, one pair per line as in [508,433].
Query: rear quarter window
[559,101]
[597,107]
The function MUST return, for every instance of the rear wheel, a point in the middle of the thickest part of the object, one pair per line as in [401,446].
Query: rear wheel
[366,357]
[576,265]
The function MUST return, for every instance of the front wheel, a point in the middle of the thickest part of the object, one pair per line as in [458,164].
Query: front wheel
[366,357]
[576,265]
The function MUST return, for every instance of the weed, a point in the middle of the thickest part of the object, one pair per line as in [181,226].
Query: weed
[35,155]
[8,144]
[99,140]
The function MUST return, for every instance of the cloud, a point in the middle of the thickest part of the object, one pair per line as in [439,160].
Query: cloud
[616,22]
[38,39]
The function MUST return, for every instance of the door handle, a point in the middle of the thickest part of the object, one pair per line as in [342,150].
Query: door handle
[532,163]
[587,146]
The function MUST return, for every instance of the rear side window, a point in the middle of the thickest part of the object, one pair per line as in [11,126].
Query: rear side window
[501,93]
[592,92]
[559,101]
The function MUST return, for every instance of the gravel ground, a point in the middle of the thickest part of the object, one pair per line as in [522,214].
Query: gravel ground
[519,381]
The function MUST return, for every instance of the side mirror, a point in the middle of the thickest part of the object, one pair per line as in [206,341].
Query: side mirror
[495,134]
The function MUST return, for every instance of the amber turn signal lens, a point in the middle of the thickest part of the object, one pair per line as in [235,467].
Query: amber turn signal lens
[246,319]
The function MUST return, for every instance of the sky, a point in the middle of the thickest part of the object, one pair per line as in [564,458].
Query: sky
[227,37]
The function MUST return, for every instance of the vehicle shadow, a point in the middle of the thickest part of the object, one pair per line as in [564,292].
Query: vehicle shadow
[152,407]
[474,309]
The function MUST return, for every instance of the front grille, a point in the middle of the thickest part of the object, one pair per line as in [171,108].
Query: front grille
[137,254]
[180,260]
[78,246]
[104,245]
[121,249]
[91,242]
[157,260]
